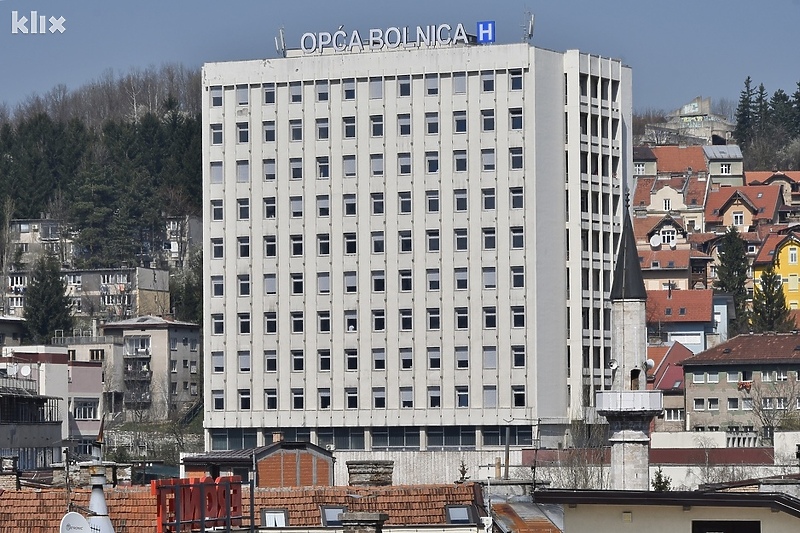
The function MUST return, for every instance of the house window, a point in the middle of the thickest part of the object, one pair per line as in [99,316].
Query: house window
[349,125]
[404,163]
[668,236]
[489,238]
[269,93]
[433,279]
[462,318]
[297,398]
[405,240]
[268,167]
[270,361]
[461,278]
[434,318]
[215,171]
[638,169]
[673,415]
[489,199]
[487,159]
[518,395]
[216,133]
[216,96]
[738,218]
[733,404]
[725,168]
[270,207]
[699,404]
[517,238]
[460,160]
[515,79]
[515,154]
[244,399]
[242,171]
[242,132]
[378,359]
[376,200]
[432,201]
[489,278]
[432,162]
[378,281]
[243,208]
[324,357]
[406,358]
[376,164]
[376,88]
[490,317]
[515,118]
[405,280]
[323,129]
[432,123]
[432,236]
[296,130]
[462,357]
[490,357]
[406,320]
[461,239]
[295,92]
[404,198]
[351,398]
[517,197]
[349,166]
[379,398]
[792,255]
[459,121]
[462,396]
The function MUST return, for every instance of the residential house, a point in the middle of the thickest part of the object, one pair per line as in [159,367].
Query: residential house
[790,188]
[746,384]
[667,376]
[745,207]
[780,250]
[695,318]
[681,196]
[725,164]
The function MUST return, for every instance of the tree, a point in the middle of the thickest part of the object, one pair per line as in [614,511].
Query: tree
[770,312]
[47,308]
[771,400]
[744,115]
[732,278]
[661,483]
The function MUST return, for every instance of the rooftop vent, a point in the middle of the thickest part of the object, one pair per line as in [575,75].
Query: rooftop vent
[726,350]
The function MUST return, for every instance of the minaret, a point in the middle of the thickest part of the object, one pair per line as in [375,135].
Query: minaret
[628,407]
[98,518]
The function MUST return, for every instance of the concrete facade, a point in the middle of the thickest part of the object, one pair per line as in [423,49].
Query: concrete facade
[389,238]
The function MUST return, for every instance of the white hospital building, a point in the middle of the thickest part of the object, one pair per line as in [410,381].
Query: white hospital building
[410,248]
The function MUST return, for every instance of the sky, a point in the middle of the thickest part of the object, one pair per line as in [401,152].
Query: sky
[678,50]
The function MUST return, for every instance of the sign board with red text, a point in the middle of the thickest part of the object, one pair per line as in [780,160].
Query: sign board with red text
[198,503]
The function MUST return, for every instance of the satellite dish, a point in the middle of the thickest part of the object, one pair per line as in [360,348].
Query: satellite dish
[648,364]
[25,371]
[74,523]
[655,240]
[11,369]
[613,364]
[673,244]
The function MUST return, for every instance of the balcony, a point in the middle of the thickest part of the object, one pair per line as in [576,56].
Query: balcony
[137,374]
[638,401]
[138,353]
[137,398]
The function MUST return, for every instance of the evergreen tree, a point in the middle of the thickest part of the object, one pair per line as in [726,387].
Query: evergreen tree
[769,304]
[661,482]
[47,308]
[732,278]
[744,115]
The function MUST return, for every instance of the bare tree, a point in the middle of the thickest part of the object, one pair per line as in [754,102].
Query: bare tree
[582,465]
[773,402]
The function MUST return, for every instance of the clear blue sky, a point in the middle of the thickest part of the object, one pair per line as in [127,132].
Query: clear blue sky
[678,49]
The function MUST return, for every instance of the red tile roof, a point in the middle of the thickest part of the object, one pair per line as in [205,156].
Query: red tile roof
[766,176]
[752,349]
[764,201]
[642,190]
[669,259]
[644,226]
[692,188]
[680,158]
[133,509]
[680,306]
[668,374]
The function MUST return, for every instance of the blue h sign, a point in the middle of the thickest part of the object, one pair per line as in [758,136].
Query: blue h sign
[486,32]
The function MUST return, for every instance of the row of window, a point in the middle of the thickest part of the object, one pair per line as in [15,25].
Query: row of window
[377,242]
[351,398]
[404,356]
[377,281]
[377,123]
[745,404]
[297,322]
[700,376]
[375,87]
[488,163]
[433,201]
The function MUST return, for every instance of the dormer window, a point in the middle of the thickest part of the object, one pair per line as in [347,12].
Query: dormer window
[668,236]
[667,204]
[738,218]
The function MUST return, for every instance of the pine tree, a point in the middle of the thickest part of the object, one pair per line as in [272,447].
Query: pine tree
[47,308]
[770,312]
[744,115]
[661,482]
[732,278]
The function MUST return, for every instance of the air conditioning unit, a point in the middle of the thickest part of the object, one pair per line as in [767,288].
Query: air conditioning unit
[330,447]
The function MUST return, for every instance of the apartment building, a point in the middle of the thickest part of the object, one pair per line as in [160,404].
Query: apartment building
[410,247]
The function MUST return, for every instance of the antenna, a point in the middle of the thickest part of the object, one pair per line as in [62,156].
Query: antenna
[280,43]
[528,26]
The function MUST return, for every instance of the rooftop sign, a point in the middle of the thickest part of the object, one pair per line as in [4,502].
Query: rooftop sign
[391,38]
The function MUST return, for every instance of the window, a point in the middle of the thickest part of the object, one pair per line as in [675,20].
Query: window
[376,164]
[270,322]
[324,398]
[296,130]
[217,248]
[490,396]
[404,237]
[432,123]
[434,357]
[733,404]
[517,197]
[738,218]
[323,282]
[698,377]
[432,279]
[269,131]
[296,243]
[376,125]
[244,246]
[323,321]
[515,79]
[349,127]
[243,281]
[462,318]
[349,166]
[378,281]
[518,356]
[713,404]
[324,357]
[323,244]
[406,319]
[379,398]
[406,397]
[378,359]
[350,282]
[218,400]
[375,88]
[323,90]
[296,282]
[406,358]
[349,89]
[378,246]
[351,398]
[295,92]
[515,118]
[518,395]
[215,171]
[673,415]
[487,81]
[515,155]
[242,171]
[517,238]
[431,84]
[268,167]
[216,96]
[489,278]
[490,317]
[432,201]
[242,132]
[404,198]
[460,160]
[376,201]
[462,357]
[350,320]
[349,201]
[460,275]
[434,318]
[459,122]
[517,316]
[323,205]
[487,159]
[460,199]
[270,361]
[488,199]
[269,93]
[404,86]
[461,240]
[792,255]
[490,357]
[216,133]
[404,124]
[378,320]
[432,237]
[405,280]
[217,362]
[296,168]
[487,120]
[244,360]
[323,129]
[404,163]
[725,168]
[296,206]
[459,83]
[517,277]
[216,210]
[713,377]
[699,404]
[350,243]
[489,238]
[297,398]
[217,286]
[432,162]
[296,321]
[462,396]
[270,207]
[434,397]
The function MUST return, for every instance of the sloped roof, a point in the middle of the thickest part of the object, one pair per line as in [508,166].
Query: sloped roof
[238,456]
[751,349]
[643,153]
[643,227]
[680,306]
[668,374]
[668,259]
[679,159]
[764,201]
[628,283]
[529,517]
[764,177]
[722,151]
[133,509]
[642,190]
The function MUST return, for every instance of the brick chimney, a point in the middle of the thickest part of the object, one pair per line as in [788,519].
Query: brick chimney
[370,473]
[363,522]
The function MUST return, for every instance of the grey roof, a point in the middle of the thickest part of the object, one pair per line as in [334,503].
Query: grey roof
[148,321]
[722,151]
[628,282]
[245,455]
[643,153]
